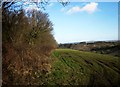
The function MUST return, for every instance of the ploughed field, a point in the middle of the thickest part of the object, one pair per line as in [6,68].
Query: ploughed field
[72,67]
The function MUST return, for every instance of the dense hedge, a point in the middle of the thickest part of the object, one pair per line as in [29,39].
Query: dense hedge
[27,44]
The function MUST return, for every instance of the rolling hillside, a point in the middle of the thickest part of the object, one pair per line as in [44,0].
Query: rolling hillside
[103,47]
[72,67]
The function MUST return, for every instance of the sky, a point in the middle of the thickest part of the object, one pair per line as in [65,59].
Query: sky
[84,21]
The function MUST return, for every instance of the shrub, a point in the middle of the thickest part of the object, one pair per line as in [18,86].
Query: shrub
[27,44]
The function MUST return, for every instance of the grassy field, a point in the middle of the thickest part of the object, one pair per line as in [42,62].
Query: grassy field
[72,67]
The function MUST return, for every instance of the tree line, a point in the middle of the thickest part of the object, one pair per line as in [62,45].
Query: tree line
[27,41]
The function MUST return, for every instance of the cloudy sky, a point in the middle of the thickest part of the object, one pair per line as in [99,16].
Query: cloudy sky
[84,21]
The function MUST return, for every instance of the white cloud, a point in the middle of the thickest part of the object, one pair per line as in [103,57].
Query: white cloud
[50,4]
[74,10]
[89,8]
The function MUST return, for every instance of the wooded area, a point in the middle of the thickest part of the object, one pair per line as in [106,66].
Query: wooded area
[27,41]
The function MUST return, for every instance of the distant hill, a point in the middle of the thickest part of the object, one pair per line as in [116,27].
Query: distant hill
[103,47]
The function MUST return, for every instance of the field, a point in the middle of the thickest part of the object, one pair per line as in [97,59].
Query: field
[72,67]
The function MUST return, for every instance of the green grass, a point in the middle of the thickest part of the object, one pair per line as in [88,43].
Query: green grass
[72,67]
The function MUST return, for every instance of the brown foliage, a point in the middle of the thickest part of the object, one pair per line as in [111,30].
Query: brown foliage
[21,66]
[27,44]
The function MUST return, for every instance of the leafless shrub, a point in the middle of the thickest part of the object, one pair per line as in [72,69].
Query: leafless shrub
[27,44]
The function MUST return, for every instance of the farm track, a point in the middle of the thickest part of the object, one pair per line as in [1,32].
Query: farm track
[67,64]
[85,68]
[105,64]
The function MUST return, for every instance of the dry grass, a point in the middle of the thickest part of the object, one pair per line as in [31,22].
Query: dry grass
[22,65]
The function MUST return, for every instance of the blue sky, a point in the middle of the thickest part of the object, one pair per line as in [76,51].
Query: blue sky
[79,21]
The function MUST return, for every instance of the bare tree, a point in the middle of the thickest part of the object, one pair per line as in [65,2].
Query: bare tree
[27,44]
